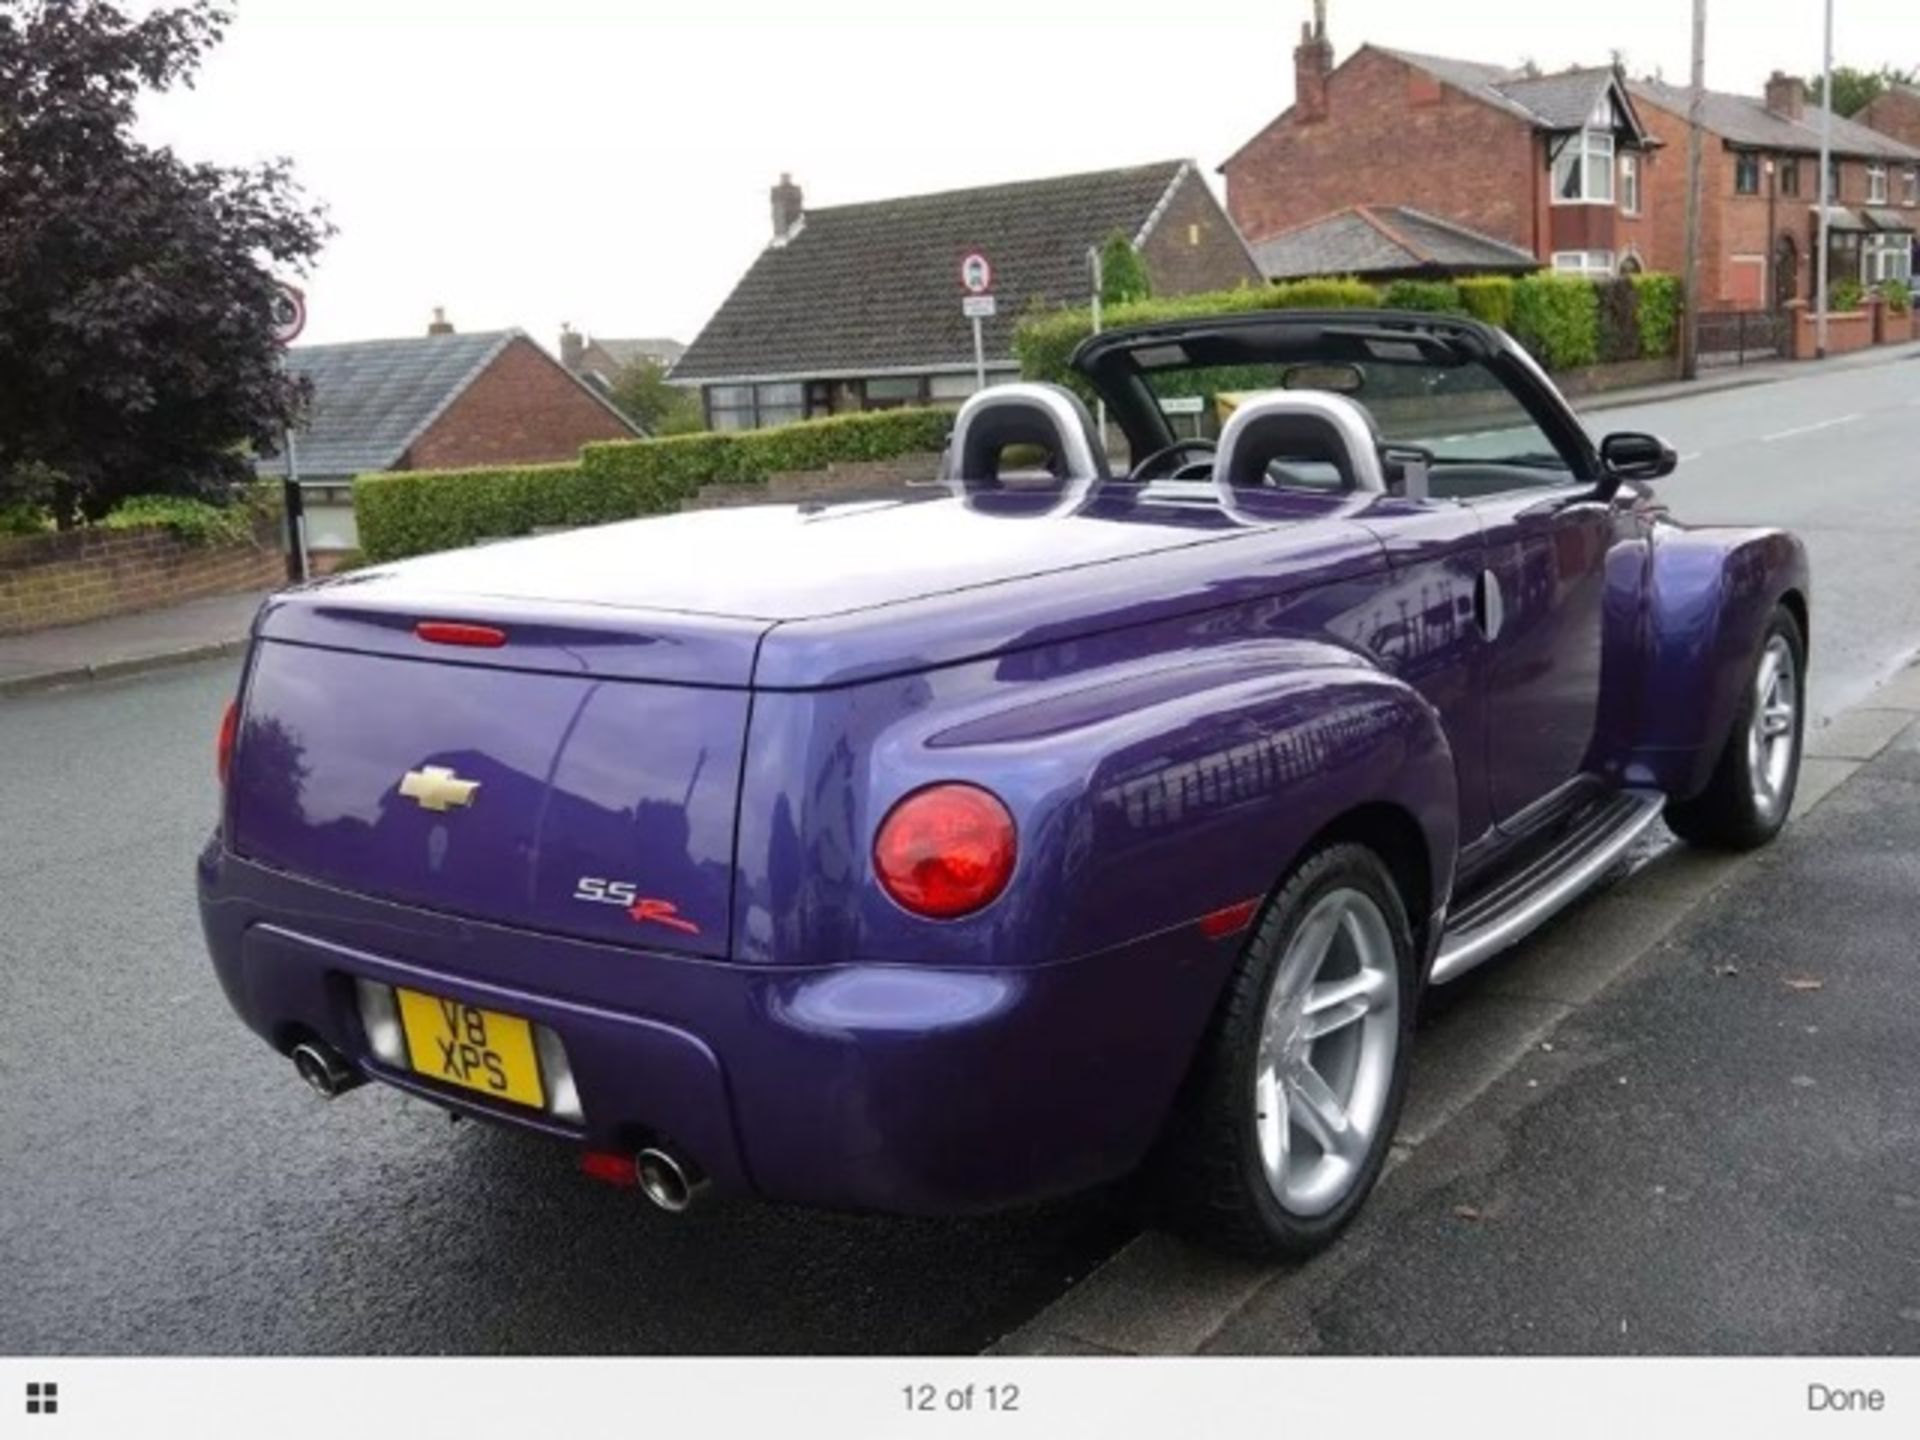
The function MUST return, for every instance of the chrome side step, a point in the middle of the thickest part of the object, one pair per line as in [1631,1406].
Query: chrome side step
[1526,900]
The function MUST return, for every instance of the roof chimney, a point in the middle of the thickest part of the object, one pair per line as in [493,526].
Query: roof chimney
[573,346]
[789,208]
[1312,64]
[1786,95]
[441,325]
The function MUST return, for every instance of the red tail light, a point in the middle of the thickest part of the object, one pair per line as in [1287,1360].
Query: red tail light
[452,632]
[945,851]
[229,726]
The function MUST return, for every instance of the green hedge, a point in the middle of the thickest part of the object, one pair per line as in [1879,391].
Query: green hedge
[1439,297]
[1488,299]
[1658,301]
[414,512]
[1046,339]
[1557,317]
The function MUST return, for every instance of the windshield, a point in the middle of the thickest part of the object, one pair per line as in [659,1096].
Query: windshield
[1461,412]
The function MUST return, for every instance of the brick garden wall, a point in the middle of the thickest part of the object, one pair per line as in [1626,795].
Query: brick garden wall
[63,579]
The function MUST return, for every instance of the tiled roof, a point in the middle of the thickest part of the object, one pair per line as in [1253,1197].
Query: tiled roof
[374,398]
[1745,120]
[1561,101]
[876,286]
[1384,240]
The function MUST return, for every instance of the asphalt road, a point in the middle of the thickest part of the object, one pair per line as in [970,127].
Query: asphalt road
[1834,457]
[166,1186]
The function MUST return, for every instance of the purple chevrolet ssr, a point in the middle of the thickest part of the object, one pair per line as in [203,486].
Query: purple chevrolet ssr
[1053,824]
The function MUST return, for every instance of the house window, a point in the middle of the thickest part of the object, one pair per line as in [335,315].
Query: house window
[1630,184]
[1886,257]
[730,407]
[1834,175]
[1910,187]
[1746,173]
[1790,177]
[893,391]
[1595,263]
[1583,169]
[1876,184]
[948,389]
[749,407]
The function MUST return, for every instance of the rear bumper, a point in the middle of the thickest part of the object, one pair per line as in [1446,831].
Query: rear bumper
[882,1087]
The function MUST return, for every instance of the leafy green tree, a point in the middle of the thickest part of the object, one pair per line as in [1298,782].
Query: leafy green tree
[1854,90]
[641,393]
[1123,275]
[137,352]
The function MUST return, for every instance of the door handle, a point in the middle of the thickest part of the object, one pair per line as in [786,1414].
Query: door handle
[1489,605]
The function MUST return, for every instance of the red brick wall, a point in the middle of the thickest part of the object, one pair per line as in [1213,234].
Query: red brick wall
[1194,246]
[1391,137]
[1897,113]
[522,410]
[90,574]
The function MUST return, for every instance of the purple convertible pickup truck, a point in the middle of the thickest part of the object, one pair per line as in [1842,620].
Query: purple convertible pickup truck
[940,854]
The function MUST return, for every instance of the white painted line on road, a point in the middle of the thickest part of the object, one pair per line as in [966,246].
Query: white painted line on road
[1809,429]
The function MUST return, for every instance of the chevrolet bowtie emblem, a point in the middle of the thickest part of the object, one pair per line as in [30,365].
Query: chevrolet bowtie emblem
[437,788]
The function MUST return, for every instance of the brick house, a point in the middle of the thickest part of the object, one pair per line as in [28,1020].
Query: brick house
[432,402]
[857,307]
[1552,165]
[1759,221]
[1585,170]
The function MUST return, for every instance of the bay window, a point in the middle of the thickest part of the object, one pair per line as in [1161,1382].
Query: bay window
[1583,169]
[1595,264]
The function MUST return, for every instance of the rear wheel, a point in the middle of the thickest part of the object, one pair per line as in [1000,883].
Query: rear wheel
[1747,801]
[1285,1122]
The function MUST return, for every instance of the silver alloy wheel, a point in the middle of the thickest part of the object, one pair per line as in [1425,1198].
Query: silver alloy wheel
[1328,1044]
[1774,733]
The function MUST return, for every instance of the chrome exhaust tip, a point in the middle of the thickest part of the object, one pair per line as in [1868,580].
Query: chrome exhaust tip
[326,1074]
[671,1182]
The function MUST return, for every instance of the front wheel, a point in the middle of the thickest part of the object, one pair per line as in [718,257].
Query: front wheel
[1286,1119]
[1747,800]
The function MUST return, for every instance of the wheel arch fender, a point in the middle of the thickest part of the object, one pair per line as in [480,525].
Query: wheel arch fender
[1710,595]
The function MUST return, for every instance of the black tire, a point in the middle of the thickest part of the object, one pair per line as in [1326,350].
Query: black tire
[1732,813]
[1208,1176]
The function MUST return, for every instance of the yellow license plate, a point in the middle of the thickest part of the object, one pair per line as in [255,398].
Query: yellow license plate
[476,1049]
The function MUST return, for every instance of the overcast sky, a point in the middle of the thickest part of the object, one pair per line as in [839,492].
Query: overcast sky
[528,162]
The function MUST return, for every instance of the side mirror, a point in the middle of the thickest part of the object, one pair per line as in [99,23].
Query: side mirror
[1629,455]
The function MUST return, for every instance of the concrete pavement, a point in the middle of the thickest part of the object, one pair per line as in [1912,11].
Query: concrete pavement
[126,644]
[1682,1120]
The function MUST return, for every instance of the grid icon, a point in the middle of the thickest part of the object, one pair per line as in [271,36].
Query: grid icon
[43,1398]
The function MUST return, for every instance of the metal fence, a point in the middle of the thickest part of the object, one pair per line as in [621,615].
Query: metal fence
[1742,337]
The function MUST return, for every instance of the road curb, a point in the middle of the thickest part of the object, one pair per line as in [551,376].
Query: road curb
[1718,385]
[45,680]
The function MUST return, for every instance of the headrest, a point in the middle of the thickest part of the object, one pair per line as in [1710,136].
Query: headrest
[1298,425]
[1050,417]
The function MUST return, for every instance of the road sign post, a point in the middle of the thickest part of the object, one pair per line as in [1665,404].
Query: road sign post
[976,278]
[289,319]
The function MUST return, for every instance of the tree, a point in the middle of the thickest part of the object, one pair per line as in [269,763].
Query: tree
[137,352]
[641,393]
[1854,90]
[1123,276]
